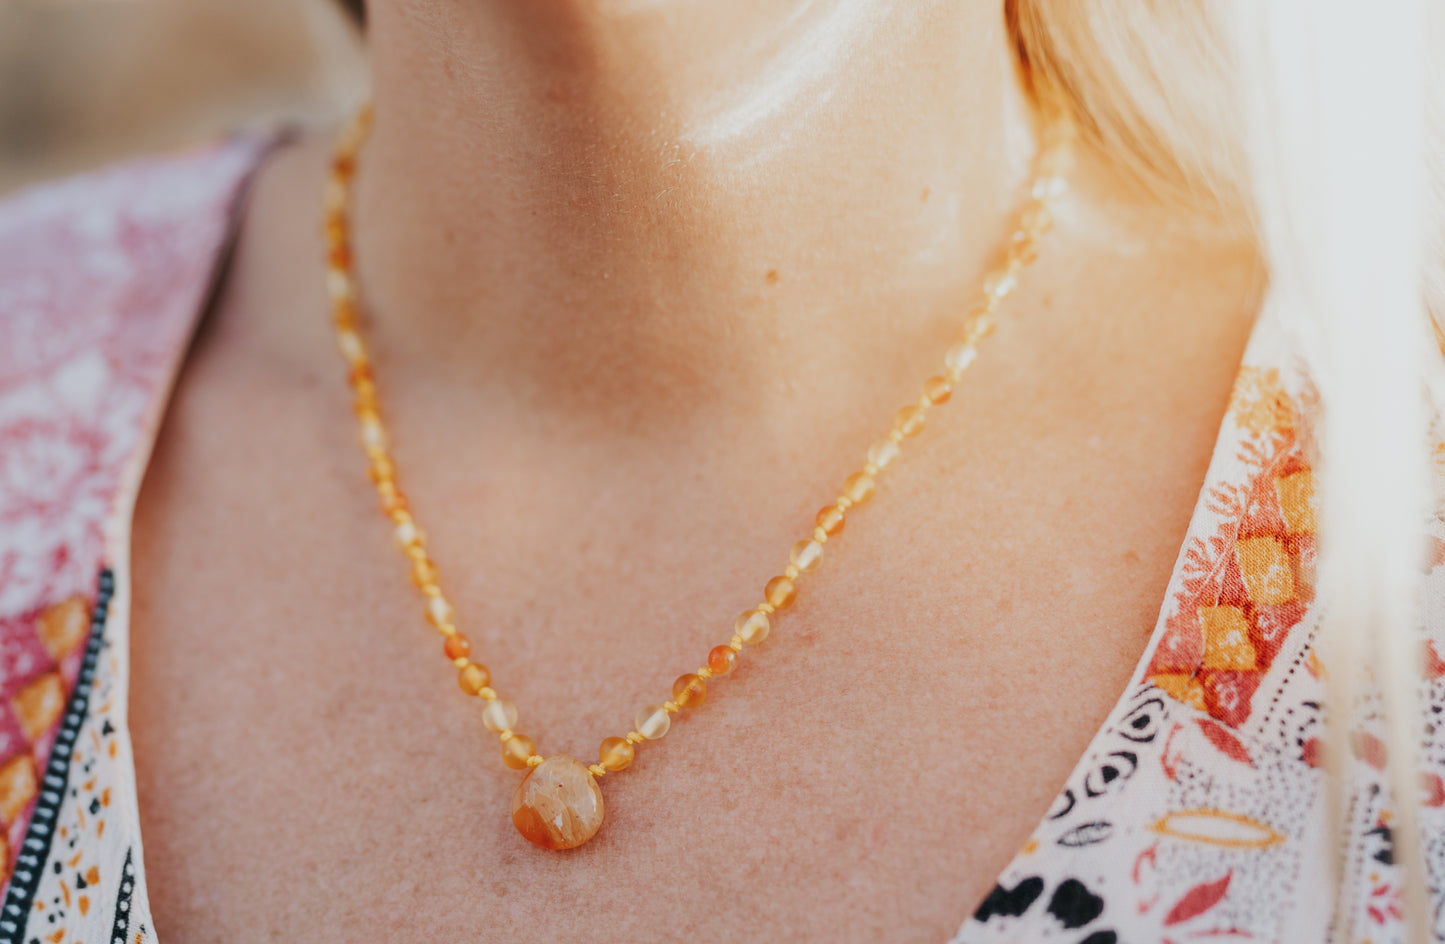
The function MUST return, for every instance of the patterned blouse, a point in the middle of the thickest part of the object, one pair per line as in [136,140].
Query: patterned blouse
[1197,813]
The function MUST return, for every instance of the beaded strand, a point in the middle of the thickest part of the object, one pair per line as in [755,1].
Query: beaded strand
[751,627]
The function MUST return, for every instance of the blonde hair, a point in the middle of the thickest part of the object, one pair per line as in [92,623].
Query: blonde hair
[1318,130]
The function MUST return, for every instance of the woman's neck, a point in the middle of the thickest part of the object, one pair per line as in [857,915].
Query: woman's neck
[678,200]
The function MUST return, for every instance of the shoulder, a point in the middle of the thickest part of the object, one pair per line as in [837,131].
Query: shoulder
[82,260]
[102,278]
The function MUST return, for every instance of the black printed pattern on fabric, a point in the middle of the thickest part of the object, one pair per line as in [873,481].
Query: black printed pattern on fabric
[36,847]
[1072,905]
[121,928]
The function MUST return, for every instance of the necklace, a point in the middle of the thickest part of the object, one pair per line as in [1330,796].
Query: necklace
[559,802]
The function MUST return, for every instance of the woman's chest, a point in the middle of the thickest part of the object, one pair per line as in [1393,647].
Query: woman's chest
[308,767]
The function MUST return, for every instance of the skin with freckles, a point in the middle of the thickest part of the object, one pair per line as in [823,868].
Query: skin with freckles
[643,280]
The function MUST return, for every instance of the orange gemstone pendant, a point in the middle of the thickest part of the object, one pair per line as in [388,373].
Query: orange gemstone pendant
[558,804]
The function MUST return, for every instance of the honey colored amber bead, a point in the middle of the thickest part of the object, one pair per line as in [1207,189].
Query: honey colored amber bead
[937,390]
[752,626]
[858,487]
[721,660]
[392,500]
[457,646]
[517,750]
[382,469]
[499,715]
[781,592]
[831,520]
[909,421]
[806,555]
[423,572]
[689,691]
[558,805]
[473,678]
[439,611]
[616,753]
[653,722]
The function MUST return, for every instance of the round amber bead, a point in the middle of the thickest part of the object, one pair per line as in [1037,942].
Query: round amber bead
[882,453]
[937,389]
[689,691]
[979,326]
[806,555]
[653,721]
[473,678]
[499,715]
[439,612]
[909,421]
[831,520]
[858,487]
[517,750]
[752,626]
[781,592]
[616,753]
[960,357]
[382,469]
[407,533]
[721,660]
[457,646]
[423,572]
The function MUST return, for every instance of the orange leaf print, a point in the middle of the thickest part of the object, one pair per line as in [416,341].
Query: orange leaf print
[1198,900]
[1227,743]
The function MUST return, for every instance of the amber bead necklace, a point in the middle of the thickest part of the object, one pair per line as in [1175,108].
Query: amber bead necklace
[559,803]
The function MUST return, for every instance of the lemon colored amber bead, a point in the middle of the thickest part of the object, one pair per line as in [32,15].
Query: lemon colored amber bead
[781,592]
[616,754]
[407,533]
[457,646]
[960,357]
[831,520]
[473,678]
[721,660]
[517,750]
[752,626]
[806,555]
[909,421]
[882,453]
[439,612]
[653,721]
[689,691]
[858,487]
[499,716]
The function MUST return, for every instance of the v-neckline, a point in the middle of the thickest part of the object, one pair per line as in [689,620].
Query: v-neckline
[1168,677]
